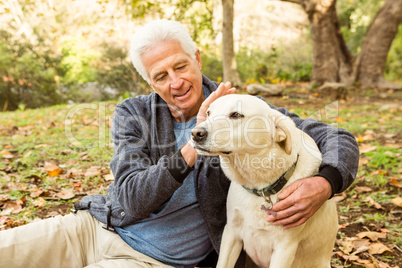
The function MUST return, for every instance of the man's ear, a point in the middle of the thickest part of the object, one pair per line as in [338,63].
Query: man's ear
[283,135]
[198,58]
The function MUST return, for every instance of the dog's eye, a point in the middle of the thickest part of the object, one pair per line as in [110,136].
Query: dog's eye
[208,113]
[236,115]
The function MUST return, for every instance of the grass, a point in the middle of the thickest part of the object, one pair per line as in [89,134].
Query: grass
[76,139]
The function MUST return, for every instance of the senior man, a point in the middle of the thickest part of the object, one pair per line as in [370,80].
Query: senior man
[166,206]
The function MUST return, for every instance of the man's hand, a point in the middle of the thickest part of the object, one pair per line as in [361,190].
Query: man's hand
[222,90]
[188,152]
[299,201]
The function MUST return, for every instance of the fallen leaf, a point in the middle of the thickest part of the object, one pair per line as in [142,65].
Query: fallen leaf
[73,172]
[6,154]
[363,189]
[41,145]
[383,230]
[365,148]
[343,226]
[371,201]
[52,214]
[397,201]
[110,177]
[39,203]
[346,246]
[77,184]
[357,243]
[52,170]
[394,182]
[12,207]
[93,171]
[359,138]
[379,172]
[347,257]
[27,154]
[339,119]
[66,151]
[4,198]
[84,156]
[378,248]
[374,236]
[360,250]
[363,161]
[66,195]
[35,192]
[4,221]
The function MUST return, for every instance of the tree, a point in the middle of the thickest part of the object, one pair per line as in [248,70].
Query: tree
[228,56]
[332,60]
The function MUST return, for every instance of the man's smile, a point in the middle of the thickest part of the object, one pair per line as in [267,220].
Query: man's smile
[182,95]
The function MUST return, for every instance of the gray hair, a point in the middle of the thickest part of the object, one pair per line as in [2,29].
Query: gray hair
[155,32]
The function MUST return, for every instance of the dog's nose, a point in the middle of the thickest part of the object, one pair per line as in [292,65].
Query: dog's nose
[199,134]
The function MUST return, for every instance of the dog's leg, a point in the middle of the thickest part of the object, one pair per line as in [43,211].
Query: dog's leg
[284,254]
[231,247]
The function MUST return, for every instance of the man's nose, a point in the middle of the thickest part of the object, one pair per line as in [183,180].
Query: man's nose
[176,82]
[199,134]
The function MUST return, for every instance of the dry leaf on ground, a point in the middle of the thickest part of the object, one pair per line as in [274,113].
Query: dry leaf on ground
[371,201]
[374,236]
[397,201]
[394,182]
[66,195]
[39,203]
[363,189]
[378,248]
[11,207]
[52,170]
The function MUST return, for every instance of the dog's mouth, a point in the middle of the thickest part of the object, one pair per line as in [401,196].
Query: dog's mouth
[204,151]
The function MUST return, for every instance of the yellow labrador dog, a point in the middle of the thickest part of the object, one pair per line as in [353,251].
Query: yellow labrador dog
[261,151]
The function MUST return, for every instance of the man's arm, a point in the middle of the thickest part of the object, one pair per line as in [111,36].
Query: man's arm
[301,199]
[144,181]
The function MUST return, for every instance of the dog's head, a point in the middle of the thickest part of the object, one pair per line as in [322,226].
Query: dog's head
[242,124]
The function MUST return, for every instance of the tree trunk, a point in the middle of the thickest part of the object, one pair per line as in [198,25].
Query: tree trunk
[228,56]
[373,56]
[332,61]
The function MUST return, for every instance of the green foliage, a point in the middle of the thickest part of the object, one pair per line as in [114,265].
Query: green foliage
[355,17]
[27,76]
[212,67]
[197,15]
[384,159]
[116,71]
[77,62]
[269,67]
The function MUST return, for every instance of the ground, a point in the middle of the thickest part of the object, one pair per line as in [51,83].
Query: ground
[51,157]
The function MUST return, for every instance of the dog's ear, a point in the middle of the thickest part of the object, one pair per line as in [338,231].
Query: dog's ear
[283,135]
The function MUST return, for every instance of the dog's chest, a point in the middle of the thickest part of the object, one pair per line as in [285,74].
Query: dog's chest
[249,222]
[260,241]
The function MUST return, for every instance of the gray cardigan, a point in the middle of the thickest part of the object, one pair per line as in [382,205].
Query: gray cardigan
[148,171]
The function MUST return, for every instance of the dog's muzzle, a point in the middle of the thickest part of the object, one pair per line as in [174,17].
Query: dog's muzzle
[199,134]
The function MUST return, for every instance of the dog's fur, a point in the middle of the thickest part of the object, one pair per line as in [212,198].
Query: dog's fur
[256,145]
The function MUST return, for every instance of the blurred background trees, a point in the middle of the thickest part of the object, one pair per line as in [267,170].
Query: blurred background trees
[77,51]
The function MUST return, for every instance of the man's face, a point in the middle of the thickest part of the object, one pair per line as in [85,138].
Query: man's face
[176,77]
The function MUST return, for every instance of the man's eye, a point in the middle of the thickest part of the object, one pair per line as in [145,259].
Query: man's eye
[160,78]
[181,67]
[236,115]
